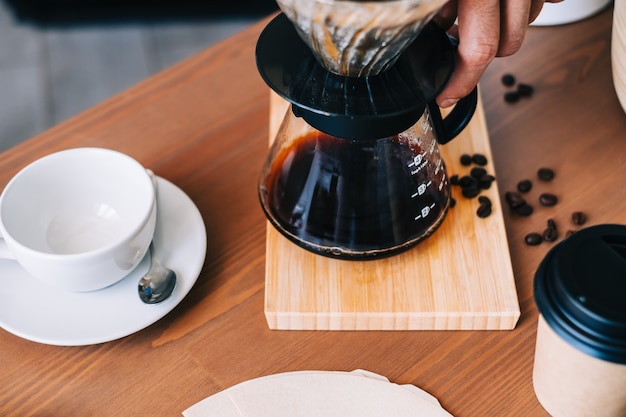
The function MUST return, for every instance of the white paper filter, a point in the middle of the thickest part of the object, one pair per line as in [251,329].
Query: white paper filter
[319,394]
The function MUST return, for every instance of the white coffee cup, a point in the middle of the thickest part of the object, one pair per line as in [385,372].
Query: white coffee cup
[79,219]
[569,11]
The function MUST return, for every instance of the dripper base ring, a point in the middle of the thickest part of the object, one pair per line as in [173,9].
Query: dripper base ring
[355,107]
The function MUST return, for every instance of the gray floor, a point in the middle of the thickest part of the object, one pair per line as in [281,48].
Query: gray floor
[50,74]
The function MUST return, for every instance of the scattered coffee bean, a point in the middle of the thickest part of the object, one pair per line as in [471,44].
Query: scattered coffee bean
[548,199]
[452,202]
[524,186]
[579,218]
[468,181]
[470,191]
[545,174]
[524,210]
[518,205]
[479,159]
[485,181]
[511,96]
[484,200]
[478,179]
[514,200]
[508,80]
[525,90]
[484,210]
[533,239]
[478,172]
[550,234]
[466,160]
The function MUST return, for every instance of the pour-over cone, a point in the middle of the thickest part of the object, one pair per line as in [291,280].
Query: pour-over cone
[359,38]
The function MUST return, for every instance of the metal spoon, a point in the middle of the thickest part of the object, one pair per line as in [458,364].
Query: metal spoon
[159,282]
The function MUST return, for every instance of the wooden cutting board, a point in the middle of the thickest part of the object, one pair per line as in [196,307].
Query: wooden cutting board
[460,278]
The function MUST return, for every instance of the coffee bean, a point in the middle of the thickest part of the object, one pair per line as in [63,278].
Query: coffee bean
[525,90]
[545,174]
[485,181]
[579,218]
[548,199]
[466,160]
[533,239]
[514,200]
[508,80]
[511,96]
[551,223]
[550,234]
[478,172]
[484,210]
[470,191]
[524,186]
[452,202]
[524,210]
[484,200]
[468,181]
[454,179]
[511,196]
[479,159]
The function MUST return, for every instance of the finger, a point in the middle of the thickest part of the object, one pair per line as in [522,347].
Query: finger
[535,8]
[514,22]
[446,16]
[479,36]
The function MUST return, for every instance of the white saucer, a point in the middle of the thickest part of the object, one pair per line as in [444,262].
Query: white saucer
[37,312]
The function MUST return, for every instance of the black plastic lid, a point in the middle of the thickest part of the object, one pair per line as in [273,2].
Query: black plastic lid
[580,289]
[355,107]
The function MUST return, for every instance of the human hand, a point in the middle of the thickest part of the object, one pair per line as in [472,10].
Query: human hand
[485,29]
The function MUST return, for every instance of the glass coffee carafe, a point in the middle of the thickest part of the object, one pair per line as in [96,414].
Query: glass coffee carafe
[355,170]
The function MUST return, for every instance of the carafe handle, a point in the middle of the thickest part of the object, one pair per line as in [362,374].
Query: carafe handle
[447,128]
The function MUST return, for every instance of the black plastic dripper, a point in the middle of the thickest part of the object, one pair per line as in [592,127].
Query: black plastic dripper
[355,107]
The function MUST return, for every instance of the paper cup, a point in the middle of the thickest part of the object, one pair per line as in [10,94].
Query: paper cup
[580,356]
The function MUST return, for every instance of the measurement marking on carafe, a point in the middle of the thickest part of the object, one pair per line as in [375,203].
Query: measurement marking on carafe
[438,166]
[419,162]
[441,184]
[417,159]
[425,211]
[421,189]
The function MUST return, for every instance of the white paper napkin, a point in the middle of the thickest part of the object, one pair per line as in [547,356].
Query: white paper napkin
[319,394]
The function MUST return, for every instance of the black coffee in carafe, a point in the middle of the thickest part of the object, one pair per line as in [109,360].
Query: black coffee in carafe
[356,199]
[360,198]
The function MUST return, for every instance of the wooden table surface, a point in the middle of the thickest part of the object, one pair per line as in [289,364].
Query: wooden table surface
[203,125]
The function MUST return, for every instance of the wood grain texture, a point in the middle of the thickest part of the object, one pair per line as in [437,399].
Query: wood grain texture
[460,278]
[203,125]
